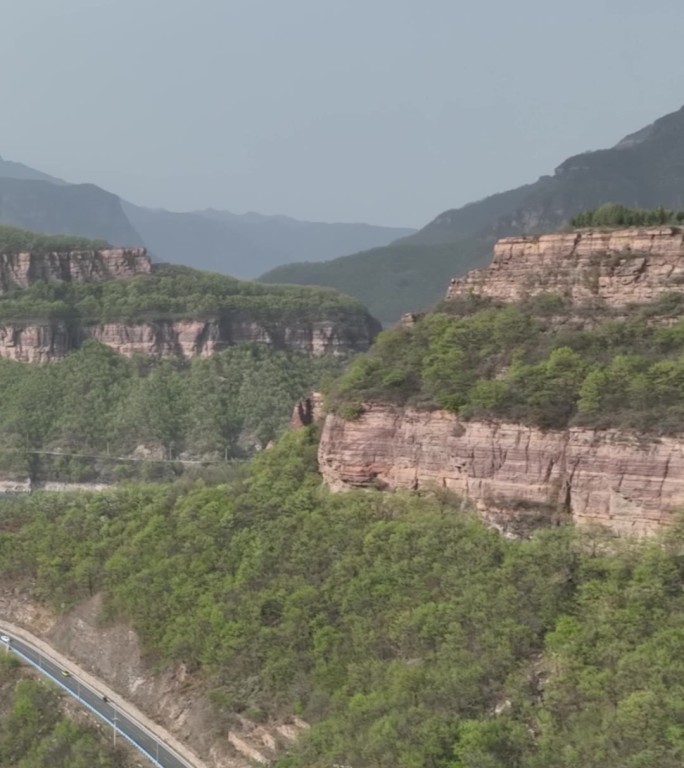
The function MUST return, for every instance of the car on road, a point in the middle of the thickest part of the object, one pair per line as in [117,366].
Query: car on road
[66,673]
[4,638]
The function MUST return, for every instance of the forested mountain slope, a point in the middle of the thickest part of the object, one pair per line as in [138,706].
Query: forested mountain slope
[548,385]
[400,627]
[73,209]
[162,362]
[243,246]
[646,169]
[387,280]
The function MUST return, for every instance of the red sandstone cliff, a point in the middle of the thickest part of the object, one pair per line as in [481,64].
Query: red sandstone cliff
[20,270]
[510,472]
[618,266]
[513,473]
[46,341]
[183,339]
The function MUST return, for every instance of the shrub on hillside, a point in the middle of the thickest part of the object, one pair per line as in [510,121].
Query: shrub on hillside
[615,215]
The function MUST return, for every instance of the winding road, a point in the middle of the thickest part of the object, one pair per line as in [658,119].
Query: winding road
[124,724]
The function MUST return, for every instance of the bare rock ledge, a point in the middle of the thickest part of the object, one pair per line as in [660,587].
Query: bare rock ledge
[609,478]
[620,267]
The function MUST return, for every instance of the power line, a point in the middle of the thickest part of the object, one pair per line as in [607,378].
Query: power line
[109,457]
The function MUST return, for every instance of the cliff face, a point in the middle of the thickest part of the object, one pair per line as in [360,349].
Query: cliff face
[617,266]
[45,341]
[20,270]
[48,342]
[512,473]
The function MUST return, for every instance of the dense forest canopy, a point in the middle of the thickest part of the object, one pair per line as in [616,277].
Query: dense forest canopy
[405,631]
[99,403]
[17,240]
[509,362]
[172,292]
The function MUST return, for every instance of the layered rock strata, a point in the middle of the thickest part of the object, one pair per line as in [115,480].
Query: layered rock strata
[183,339]
[510,472]
[46,341]
[20,270]
[620,267]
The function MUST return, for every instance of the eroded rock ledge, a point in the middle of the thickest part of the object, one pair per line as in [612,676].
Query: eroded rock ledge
[620,267]
[512,472]
[509,471]
[39,340]
[183,339]
[21,270]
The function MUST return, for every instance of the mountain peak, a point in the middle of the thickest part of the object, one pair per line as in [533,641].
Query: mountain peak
[12,170]
[674,121]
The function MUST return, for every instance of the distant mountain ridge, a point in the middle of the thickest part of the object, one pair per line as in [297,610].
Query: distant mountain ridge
[240,245]
[71,209]
[12,170]
[643,170]
[249,244]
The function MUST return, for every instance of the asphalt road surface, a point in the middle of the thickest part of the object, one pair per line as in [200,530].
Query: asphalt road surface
[123,726]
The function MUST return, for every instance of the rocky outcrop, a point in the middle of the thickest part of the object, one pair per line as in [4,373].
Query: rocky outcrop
[512,473]
[20,270]
[182,339]
[409,319]
[201,338]
[36,343]
[307,411]
[516,474]
[39,341]
[44,341]
[620,267]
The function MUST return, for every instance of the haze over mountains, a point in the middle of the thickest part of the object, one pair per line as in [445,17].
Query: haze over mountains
[645,169]
[392,270]
[246,246]
[242,246]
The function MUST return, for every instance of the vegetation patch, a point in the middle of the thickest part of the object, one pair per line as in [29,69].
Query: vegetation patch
[405,631]
[506,362]
[173,292]
[613,215]
[16,240]
[73,419]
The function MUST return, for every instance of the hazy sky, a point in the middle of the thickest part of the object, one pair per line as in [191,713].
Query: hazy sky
[387,111]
